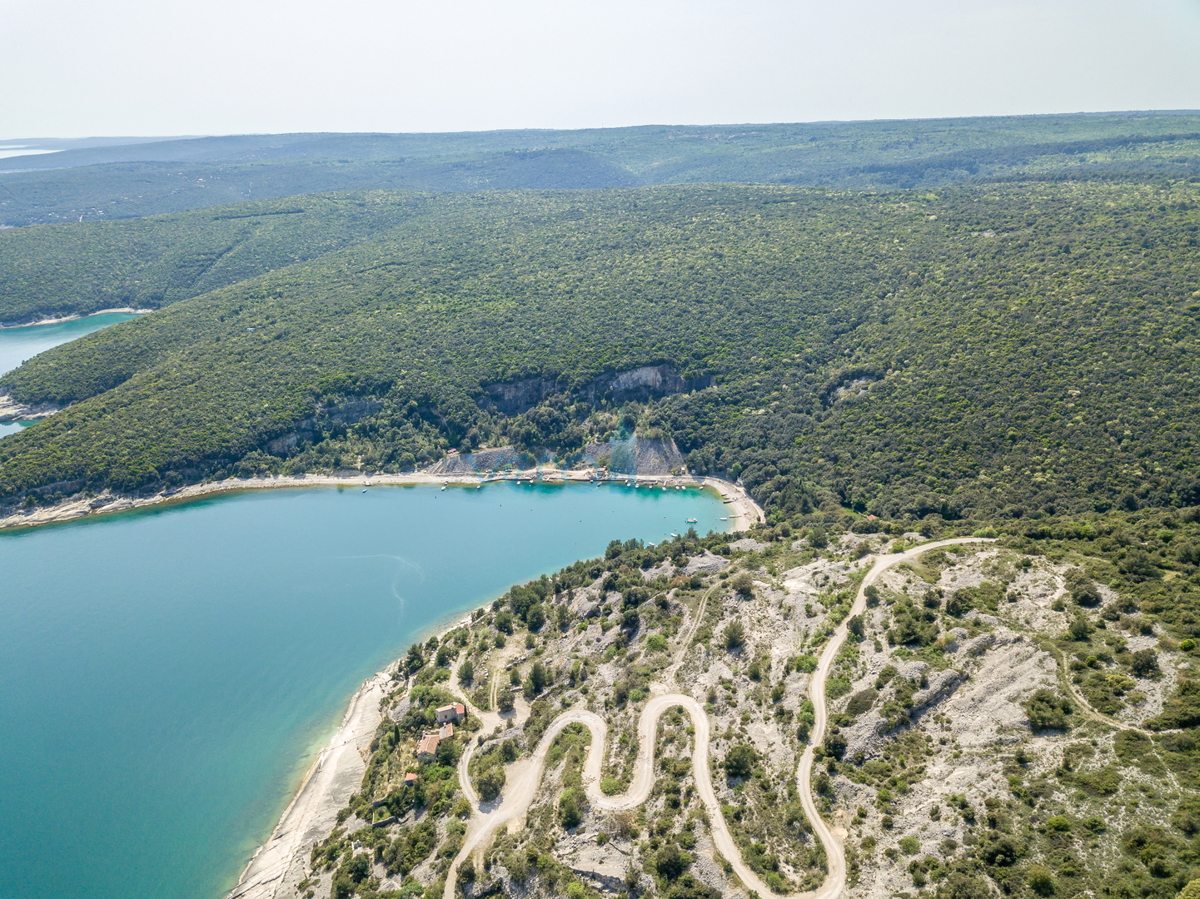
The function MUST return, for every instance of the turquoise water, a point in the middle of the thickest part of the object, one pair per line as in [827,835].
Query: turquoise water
[19,344]
[168,674]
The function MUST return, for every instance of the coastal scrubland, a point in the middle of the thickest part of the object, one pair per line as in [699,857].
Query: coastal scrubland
[1017,349]
[1007,717]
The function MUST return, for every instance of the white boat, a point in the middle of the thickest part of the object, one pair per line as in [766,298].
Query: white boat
[691,521]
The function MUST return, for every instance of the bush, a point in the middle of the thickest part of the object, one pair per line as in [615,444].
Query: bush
[805,664]
[1040,880]
[1047,710]
[740,761]
[1145,663]
[670,862]
[570,808]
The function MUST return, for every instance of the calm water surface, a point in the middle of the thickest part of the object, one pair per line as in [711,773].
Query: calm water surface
[19,344]
[168,674]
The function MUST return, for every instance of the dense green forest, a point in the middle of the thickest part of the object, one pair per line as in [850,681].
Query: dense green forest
[84,183]
[1015,349]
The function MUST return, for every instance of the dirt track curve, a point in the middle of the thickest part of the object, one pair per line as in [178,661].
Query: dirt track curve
[525,775]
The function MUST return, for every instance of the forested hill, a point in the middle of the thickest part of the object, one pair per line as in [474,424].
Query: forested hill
[85,183]
[1007,349]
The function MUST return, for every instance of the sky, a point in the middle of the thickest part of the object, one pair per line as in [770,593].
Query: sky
[144,67]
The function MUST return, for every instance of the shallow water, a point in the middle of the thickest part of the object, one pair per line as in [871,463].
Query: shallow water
[169,673]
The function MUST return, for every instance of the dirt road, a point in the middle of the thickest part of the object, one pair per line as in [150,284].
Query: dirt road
[525,775]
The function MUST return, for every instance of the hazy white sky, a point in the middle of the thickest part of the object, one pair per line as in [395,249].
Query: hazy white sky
[71,68]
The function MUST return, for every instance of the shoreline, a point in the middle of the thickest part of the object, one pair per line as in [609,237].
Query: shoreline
[743,510]
[334,775]
[75,318]
[337,773]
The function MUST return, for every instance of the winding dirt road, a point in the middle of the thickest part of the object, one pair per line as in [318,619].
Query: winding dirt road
[525,775]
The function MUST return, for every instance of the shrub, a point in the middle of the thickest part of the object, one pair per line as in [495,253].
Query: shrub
[1047,710]
[1040,880]
[743,584]
[740,761]
[1145,663]
[805,664]
[670,862]
[570,808]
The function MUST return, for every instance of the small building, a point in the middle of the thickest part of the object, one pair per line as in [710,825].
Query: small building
[427,748]
[447,731]
[410,779]
[451,713]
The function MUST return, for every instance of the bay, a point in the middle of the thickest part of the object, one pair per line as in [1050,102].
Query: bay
[18,345]
[168,674]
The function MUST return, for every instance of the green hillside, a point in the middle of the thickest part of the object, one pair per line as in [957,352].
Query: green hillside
[138,179]
[1010,349]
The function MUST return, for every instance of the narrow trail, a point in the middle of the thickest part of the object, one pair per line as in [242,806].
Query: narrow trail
[525,775]
[686,644]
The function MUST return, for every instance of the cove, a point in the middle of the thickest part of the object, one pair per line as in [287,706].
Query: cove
[20,344]
[170,673]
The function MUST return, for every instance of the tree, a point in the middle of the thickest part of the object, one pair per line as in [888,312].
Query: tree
[740,761]
[1080,628]
[1191,891]
[466,672]
[735,635]
[670,862]
[1085,593]
[856,627]
[491,781]
[415,659]
[536,682]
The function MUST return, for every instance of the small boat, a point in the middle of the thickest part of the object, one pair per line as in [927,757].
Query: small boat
[691,521]
[723,518]
[676,536]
